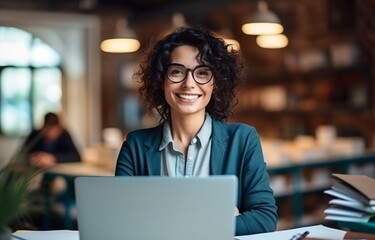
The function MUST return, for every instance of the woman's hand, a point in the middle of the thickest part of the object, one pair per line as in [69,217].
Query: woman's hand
[42,159]
[236,212]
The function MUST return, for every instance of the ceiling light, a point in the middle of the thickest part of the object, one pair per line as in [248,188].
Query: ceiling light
[124,40]
[272,41]
[263,22]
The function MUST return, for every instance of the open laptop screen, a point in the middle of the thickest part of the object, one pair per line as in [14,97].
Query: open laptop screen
[156,208]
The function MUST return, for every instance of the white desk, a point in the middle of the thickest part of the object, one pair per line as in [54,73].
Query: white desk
[78,169]
[315,232]
[46,235]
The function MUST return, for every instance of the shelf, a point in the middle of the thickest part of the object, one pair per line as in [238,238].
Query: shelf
[333,110]
[321,73]
[289,191]
[333,161]
[301,101]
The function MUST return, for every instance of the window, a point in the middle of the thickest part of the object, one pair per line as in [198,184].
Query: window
[30,81]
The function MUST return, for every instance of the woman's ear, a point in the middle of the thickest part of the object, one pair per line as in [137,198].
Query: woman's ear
[213,82]
[214,89]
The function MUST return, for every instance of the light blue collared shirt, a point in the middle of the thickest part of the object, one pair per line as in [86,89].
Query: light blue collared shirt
[198,154]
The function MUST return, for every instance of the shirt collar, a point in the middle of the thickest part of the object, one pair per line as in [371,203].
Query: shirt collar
[167,135]
[203,135]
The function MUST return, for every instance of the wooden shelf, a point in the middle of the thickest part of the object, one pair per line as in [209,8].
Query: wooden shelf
[303,99]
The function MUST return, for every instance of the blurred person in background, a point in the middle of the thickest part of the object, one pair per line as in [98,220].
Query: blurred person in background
[51,144]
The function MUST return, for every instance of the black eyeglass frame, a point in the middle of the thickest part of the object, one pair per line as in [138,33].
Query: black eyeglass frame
[187,71]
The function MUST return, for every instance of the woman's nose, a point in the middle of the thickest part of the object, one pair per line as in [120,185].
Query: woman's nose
[189,80]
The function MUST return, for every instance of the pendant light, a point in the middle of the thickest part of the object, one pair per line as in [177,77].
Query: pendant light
[263,22]
[124,40]
[272,41]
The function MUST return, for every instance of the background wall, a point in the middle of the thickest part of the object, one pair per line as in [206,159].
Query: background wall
[75,37]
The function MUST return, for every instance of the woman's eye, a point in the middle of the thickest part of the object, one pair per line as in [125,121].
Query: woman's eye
[176,72]
[203,73]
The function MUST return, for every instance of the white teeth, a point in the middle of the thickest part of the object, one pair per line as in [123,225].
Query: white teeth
[187,96]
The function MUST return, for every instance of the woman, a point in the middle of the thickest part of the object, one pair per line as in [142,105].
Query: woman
[190,77]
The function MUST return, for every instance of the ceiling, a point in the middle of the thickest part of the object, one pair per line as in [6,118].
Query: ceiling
[194,10]
[219,11]
[150,6]
[137,6]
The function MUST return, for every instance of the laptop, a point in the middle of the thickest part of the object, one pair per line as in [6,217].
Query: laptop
[156,208]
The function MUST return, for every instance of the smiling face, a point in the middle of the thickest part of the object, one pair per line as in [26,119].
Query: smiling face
[187,97]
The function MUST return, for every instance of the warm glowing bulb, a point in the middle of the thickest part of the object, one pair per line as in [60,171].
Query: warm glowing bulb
[260,28]
[120,45]
[272,41]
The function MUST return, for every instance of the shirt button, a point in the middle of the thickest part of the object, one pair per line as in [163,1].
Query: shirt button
[194,140]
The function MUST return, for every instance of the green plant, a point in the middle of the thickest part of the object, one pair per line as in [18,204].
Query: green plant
[15,178]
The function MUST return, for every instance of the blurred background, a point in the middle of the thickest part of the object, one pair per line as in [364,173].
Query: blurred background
[310,94]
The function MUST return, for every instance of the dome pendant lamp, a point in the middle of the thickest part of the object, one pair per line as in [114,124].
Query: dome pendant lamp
[124,40]
[263,22]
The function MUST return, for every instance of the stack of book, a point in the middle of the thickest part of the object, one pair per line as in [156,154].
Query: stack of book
[353,199]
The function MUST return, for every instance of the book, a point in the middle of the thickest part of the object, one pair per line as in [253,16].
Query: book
[353,199]
[337,212]
[360,187]
[341,218]
[353,204]
[340,195]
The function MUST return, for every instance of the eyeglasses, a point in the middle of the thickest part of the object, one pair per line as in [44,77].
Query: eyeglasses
[177,73]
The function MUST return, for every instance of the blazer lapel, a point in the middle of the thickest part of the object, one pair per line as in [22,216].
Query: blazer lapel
[219,144]
[152,153]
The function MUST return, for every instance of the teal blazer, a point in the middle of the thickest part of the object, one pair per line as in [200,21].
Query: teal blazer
[236,150]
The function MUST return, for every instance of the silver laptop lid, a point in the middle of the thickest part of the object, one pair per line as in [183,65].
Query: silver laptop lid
[156,208]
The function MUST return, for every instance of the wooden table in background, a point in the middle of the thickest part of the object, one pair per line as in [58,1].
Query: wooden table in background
[68,172]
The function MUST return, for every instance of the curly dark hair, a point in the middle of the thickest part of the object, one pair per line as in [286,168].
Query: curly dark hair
[213,51]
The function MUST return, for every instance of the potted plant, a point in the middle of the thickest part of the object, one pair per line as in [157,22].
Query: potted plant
[14,202]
